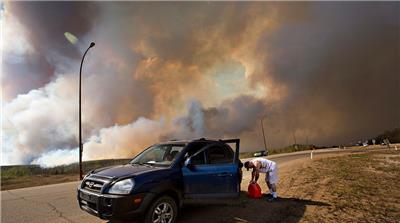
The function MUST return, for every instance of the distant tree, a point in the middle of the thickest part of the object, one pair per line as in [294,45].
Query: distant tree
[392,135]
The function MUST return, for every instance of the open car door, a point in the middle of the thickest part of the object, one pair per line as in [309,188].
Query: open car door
[236,143]
[213,171]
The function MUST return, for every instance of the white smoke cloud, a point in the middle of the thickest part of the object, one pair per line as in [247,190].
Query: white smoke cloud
[124,141]
[46,119]
[57,158]
[110,143]
[39,121]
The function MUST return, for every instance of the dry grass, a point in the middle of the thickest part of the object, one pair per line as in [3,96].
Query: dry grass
[359,188]
[37,180]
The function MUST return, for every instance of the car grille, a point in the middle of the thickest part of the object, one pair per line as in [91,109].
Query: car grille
[93,185]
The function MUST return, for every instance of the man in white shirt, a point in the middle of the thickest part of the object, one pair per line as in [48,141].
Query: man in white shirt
[269,167]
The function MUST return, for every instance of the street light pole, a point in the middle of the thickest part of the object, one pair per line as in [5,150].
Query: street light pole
[80,113]
[262,129]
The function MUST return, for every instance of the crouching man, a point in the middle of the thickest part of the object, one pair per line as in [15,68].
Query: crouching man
[269,167]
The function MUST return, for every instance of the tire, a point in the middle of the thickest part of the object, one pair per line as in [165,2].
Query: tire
[163,210]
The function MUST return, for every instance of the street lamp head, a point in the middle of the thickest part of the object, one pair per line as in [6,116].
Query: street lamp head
[91,44]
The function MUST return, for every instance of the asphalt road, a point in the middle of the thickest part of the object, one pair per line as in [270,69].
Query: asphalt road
[57,202]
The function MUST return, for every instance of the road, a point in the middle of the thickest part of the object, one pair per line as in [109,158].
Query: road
[57,202]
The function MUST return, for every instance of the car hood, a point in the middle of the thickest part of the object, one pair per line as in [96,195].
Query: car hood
[124,170]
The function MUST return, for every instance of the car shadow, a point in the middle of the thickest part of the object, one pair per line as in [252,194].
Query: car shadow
[244,209]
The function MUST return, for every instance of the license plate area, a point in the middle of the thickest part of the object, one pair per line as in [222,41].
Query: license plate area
[88,197]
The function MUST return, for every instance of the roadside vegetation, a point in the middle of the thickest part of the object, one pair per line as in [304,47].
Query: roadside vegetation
[19,176]
[393,136]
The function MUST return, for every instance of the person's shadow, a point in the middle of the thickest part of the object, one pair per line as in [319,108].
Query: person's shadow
[245,209]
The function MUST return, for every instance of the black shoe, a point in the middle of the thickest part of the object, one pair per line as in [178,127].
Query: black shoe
[268,195]
[272,199]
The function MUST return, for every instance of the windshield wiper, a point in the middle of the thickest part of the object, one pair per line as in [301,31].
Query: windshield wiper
[143,164]
[146,164]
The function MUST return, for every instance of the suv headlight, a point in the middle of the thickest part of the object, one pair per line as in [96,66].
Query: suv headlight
[122,187]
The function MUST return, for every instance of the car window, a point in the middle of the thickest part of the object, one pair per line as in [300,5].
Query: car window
[219,155]
[172,152]
[162,154]
[193,148]
[198,159]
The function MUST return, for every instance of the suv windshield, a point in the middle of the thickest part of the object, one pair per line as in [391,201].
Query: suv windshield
[162,154]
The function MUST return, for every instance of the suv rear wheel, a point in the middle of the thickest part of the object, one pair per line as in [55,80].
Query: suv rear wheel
[163,210]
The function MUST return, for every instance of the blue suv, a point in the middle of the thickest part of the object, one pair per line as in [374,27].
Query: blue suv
[158,181]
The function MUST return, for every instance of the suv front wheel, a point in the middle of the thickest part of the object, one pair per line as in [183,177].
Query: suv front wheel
[163,210]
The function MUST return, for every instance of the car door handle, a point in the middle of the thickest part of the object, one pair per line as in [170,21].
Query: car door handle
[224,174]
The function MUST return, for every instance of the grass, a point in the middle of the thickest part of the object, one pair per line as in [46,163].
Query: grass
[359,187]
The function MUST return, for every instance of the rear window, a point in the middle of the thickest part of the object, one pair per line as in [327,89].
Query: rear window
[213,153]
[220,155]
[199,159]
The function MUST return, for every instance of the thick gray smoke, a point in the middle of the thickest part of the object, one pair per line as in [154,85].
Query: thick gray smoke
[43,25]
[328,72]
[341,68]
[230,119]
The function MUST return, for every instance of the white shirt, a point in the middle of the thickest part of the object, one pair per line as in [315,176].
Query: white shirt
[266,165]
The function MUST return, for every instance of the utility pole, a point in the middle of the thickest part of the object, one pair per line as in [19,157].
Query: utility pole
[294,138]
[262,129]
[80,114]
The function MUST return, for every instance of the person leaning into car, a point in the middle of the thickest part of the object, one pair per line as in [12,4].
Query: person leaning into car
[269,167]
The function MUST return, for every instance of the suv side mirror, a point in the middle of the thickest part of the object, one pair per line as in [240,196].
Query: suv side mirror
[240,164]
[189,164]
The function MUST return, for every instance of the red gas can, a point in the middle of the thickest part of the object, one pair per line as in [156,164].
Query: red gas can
[254,190]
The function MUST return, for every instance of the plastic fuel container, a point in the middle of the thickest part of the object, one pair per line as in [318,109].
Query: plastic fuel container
[254,190]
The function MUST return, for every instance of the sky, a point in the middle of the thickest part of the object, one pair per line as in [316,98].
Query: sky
[327,73]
